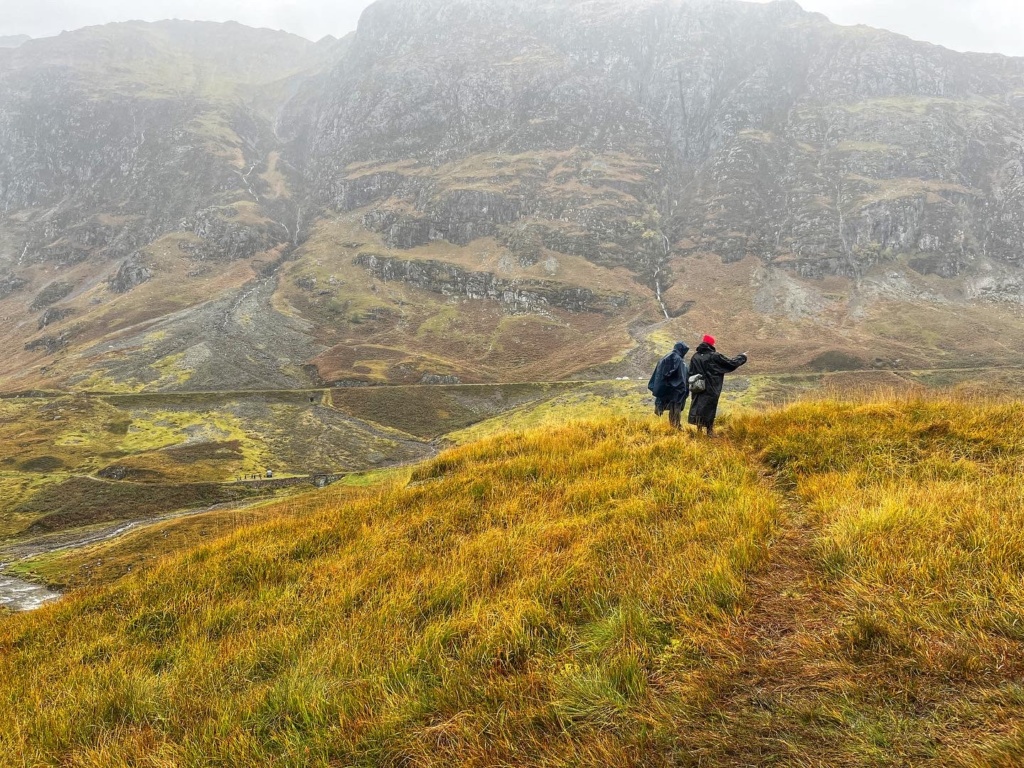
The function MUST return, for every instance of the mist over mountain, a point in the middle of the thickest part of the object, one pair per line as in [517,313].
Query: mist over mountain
[13,41]
[478,190]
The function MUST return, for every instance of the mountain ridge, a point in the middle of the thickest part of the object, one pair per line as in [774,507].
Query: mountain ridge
[13,41]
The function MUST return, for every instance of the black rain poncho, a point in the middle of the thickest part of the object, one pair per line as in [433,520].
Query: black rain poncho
[713,366]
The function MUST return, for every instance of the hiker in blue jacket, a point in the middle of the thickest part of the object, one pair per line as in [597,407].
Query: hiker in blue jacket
[669,385]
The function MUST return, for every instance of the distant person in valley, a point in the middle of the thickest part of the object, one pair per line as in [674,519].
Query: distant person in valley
[707,377]
[669,385]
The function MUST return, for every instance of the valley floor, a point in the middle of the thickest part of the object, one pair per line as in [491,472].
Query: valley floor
[832,583]
[80,469]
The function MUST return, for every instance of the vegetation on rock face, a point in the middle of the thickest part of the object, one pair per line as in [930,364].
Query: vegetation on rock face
[201,206]
[832,583]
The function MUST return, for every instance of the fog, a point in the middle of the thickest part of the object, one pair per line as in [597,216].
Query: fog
[977,25]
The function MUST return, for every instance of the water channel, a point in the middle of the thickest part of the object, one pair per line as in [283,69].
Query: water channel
[20,595]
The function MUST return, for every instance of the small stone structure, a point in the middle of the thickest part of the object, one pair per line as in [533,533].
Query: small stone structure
[322,481]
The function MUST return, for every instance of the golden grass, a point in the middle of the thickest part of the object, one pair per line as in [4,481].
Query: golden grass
[520,597]
[829,584]
[109,561]
[914,527]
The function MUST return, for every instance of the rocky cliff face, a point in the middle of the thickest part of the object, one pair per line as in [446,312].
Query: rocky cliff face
[120,133]
[521,296]
[382,206]
[140,155]
[757,129]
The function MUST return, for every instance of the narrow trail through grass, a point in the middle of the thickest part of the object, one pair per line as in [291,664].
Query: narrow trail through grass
[886,628]
[831,584]
[785,606]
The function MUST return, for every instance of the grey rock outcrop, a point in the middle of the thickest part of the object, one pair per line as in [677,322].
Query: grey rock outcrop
[222,238]
[514,295]
[51,294]
[11,284]
[49,344]
[54,315]
[131,274]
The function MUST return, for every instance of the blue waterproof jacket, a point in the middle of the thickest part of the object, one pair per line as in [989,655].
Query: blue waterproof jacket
[670,381]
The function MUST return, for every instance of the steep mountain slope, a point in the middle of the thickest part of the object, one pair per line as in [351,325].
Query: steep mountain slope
[484,190]
[852,181]
[131,189]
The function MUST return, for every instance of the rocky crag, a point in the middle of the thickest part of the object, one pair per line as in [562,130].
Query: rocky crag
[503,190]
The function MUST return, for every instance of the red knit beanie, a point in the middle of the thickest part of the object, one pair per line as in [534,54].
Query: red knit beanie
[709,340]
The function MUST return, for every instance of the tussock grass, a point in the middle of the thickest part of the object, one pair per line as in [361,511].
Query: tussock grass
[519,598]
[829,584]
[915,516]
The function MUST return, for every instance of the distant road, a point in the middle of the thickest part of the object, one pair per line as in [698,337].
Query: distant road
[240,393]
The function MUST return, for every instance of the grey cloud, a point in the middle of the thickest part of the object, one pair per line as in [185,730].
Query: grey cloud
[963,25]
[309,18]
[979,25]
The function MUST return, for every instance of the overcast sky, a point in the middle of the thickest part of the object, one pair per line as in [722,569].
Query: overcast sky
[974,25]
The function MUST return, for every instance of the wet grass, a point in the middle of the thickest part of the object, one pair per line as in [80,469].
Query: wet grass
[829,584]
[913,517]
[526,588]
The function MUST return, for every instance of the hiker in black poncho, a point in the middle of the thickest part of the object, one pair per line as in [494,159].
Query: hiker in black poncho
[711,366]
[669,386]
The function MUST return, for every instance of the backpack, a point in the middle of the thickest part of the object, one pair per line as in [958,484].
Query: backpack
[698,384]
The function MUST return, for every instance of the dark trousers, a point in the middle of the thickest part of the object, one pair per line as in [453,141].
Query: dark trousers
[675,414]
[674,408]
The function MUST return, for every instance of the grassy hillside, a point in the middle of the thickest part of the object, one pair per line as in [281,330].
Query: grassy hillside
[828,584]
